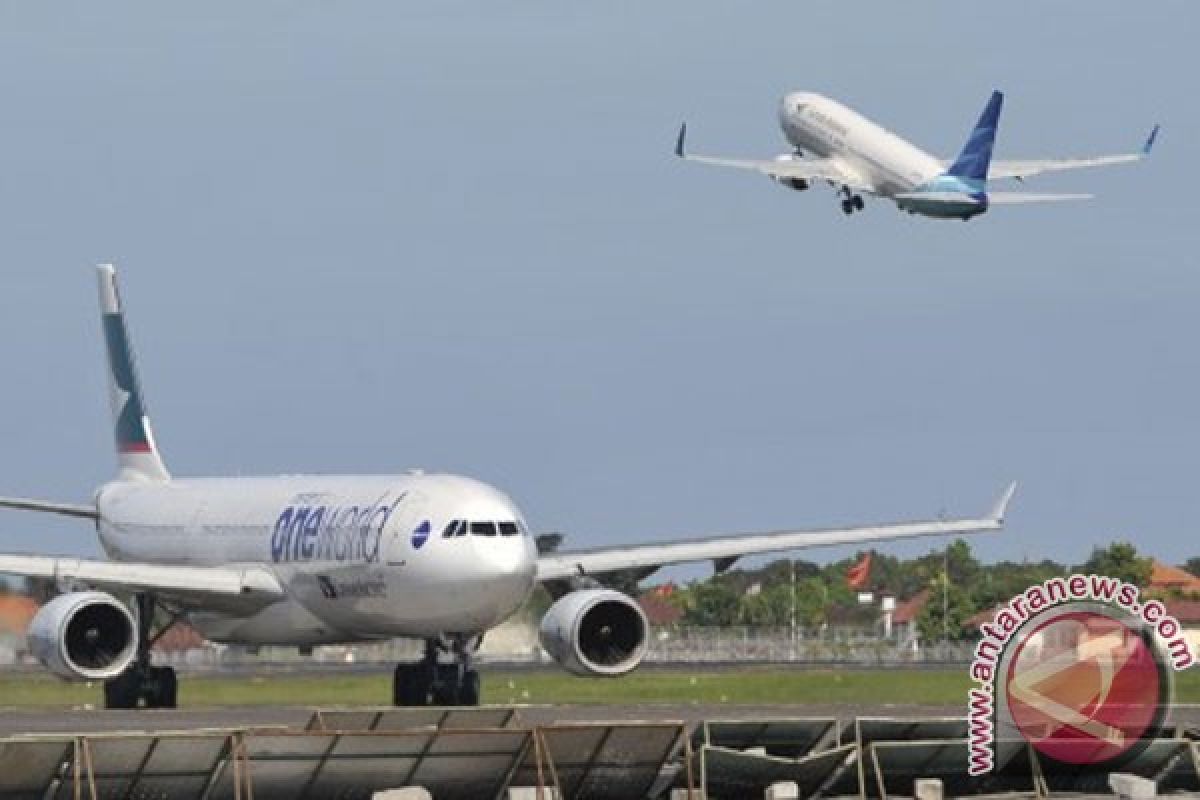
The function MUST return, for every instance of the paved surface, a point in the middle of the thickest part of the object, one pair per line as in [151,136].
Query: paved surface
[13,722]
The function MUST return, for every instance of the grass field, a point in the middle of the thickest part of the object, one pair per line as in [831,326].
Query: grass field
[754,685]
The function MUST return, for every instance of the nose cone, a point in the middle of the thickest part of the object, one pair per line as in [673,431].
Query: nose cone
[794,102]
[506,556]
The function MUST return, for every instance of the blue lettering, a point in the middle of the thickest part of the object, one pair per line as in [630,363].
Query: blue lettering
[299,518]
[311,528]
[279,539]
[330,533]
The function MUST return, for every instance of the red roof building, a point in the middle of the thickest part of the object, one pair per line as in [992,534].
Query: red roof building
[16,612]
[1165,578]
[908,610]
[658,611]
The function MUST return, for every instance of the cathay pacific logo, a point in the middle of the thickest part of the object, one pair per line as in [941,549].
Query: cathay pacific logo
[420,535]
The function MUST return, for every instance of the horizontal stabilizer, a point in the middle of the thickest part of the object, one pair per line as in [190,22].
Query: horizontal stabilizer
[994,198]
[949,198]
[66,509]
[1017,198]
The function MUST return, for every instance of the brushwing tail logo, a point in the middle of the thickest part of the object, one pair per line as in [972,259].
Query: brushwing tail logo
[131,433]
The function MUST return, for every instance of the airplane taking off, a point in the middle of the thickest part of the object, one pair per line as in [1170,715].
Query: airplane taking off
[849,152]
[318,559]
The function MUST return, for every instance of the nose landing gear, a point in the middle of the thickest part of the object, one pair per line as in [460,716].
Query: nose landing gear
[431,682]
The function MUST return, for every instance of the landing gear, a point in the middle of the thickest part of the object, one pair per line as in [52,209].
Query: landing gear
[431,682]
[851,202]
[144,685]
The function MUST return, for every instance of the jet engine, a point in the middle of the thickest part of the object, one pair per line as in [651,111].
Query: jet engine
[595,632]
[84,636]
[799,184]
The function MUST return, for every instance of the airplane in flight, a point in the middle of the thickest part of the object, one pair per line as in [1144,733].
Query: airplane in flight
[306,560]
[839,146]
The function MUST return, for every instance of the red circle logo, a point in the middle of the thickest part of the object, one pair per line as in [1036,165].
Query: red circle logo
[1085,687]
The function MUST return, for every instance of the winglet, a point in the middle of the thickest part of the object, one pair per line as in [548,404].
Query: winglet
[679,141]
[1149,145]
[1000,509]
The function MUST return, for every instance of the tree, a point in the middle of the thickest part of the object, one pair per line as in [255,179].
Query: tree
[946,595]
[1120,560]
[769,607]
[1192,565]
[1000,582]
[712,602]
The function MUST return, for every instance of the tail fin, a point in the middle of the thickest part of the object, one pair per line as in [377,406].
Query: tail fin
[972,163]
[137,453]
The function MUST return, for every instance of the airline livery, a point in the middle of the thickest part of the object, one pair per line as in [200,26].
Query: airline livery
[841,147]
[311,560]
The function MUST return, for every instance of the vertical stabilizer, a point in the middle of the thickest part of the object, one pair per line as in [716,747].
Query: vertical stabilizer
[137,452]
[972,163]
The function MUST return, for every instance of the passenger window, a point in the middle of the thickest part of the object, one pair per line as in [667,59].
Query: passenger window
[483,528]
[509,529]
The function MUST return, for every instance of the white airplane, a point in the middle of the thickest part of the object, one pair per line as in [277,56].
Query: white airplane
[310,560]
[851,153]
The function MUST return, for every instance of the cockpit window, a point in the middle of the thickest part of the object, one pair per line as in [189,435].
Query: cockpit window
[449,529]
[509,529]
[483,529]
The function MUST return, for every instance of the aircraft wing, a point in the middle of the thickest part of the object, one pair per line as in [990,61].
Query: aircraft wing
[236,589]
[724,550]
[1027,168]
[809,169]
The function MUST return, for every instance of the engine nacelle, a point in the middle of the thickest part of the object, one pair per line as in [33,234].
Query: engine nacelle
[595,632]
[799,184]
[84,636]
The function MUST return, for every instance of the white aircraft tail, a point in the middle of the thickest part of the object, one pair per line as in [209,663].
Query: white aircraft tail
[137,452]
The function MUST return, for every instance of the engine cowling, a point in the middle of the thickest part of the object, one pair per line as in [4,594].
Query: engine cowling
[84,636]
[799,184]
[595,632]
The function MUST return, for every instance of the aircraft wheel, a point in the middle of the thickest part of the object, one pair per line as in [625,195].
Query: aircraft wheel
[409,686]
[471,690]
[847,207]
[858,202]
[121,692]
[164,692]
[448,689]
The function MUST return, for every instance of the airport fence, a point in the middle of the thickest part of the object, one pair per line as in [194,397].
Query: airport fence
[517,645]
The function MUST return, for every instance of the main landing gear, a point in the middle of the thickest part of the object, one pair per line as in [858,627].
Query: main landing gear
[142,684]
[433,683]
[851,202]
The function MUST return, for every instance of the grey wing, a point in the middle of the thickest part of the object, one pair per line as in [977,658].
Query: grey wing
[230,588]
[726,549]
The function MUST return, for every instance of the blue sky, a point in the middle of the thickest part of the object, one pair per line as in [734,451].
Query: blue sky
[368,236]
